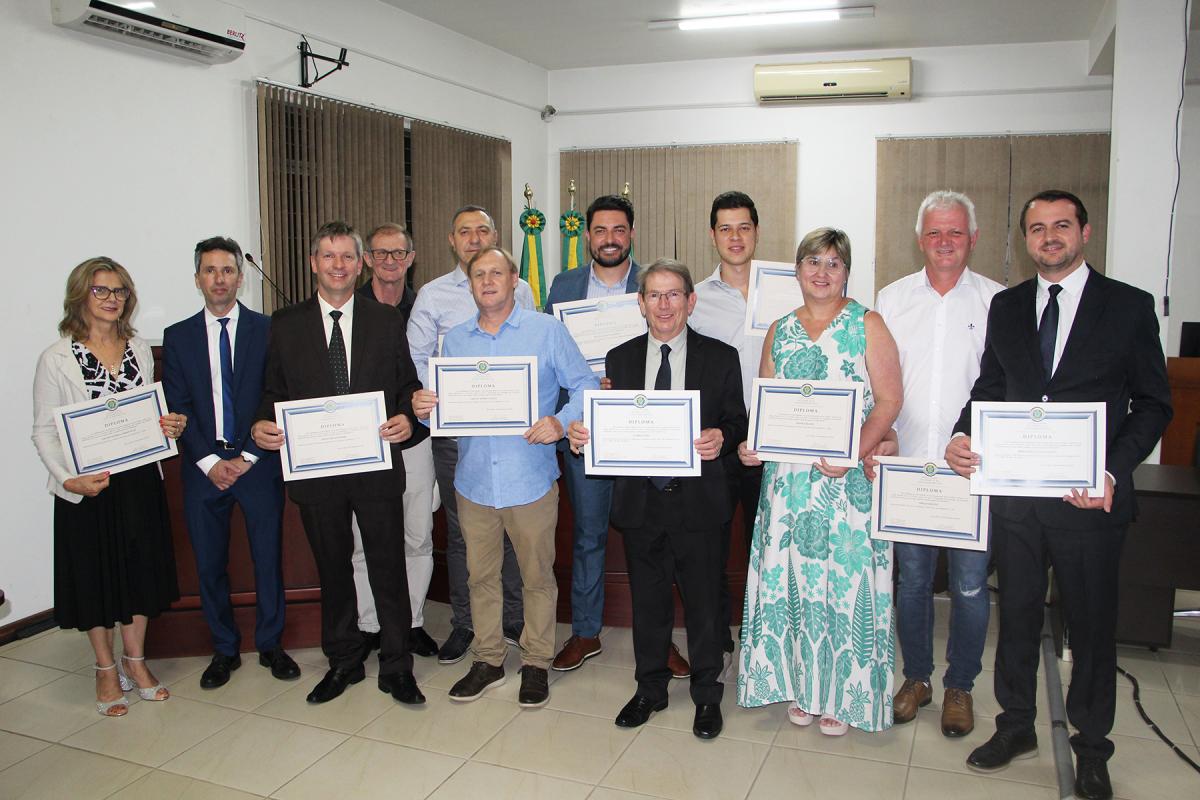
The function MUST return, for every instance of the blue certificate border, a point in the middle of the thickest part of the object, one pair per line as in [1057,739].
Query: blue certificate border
[760,326]
[806,451]
[520,423]
[689,462]
[613,302]
[933,534]
[1097,479]
[319,408]
[101,406]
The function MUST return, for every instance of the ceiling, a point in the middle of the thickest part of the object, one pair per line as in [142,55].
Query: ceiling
[558,34]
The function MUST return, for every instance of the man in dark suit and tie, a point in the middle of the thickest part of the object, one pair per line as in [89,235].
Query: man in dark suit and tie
[335,343]
[673,528]
[1068,335]
[213,372]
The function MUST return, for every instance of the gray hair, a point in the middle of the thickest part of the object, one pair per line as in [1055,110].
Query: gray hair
[390,227]
[507,256]
[945,199]
[218,243]
[668,265]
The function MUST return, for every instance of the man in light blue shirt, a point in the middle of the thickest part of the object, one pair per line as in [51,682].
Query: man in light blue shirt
[510,483]
[441,304]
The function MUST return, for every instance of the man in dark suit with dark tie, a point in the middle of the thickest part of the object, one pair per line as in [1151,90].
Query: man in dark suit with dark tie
[331,344]
[673,528]
[213,372]
[1068,335]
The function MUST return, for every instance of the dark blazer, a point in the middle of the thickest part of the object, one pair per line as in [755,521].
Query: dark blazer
[572,284]
[713,368]
[1113,354]
[187,384]
[297,368]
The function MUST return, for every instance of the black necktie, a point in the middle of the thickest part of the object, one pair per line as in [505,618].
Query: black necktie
[1048,331]
[663,381]
[337,357]
[228,422]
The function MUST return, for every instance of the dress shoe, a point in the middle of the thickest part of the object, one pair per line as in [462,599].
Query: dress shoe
[1002,748]
[638,710]
[482,676]
[282,666]
[912,695]
[1091,779]
[402,686]
[371,641]
[535,687]
[513,636]
[421,643]
[456,646]
[678,665]
[708,722]
[334,683]
[958,715]
[217,672]
[575,651]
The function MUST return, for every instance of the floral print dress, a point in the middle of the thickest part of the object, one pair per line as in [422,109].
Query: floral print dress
[818,620]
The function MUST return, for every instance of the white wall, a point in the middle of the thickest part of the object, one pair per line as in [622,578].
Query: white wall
[118,151]
[958,91]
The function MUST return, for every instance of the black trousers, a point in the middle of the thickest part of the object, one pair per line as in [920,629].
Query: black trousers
[1085,566]
[327,526]
[745,486]
[660,553]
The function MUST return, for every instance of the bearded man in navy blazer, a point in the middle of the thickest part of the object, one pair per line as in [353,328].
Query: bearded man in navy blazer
[1069,335]
[213,367]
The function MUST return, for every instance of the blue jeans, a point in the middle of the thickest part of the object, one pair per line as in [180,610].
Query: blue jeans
[969,609]
[590,501]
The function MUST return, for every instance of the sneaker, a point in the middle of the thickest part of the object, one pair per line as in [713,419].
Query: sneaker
[575,651]
[456,646]
[483,676]
[535,687]
[513,636]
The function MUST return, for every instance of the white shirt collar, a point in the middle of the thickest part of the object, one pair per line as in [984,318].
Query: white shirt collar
[211,319]
[347,309]
[1072,284]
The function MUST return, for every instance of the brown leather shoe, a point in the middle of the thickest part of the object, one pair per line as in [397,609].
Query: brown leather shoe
[678,665]
[912,695]
[958,715]
[575,651]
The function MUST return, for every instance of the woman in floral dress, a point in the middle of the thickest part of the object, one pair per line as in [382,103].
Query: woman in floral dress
[818,620]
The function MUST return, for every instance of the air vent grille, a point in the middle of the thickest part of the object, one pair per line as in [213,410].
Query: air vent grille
[152,36]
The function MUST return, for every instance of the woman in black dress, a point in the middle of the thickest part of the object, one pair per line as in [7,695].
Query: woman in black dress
[113,558]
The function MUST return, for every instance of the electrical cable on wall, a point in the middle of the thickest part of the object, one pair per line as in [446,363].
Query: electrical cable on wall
[1187,13]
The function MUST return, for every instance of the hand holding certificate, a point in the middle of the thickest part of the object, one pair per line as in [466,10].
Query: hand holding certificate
[801,422]
[115,432]
[600,324]
[1038,449]
[494,396]
[326,436]
[926,502]
[773,293]
[642,432]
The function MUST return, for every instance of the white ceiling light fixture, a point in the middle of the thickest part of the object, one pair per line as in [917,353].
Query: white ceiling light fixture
[754,19]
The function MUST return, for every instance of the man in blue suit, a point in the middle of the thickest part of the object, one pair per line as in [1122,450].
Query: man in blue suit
[612,272]
[213,364]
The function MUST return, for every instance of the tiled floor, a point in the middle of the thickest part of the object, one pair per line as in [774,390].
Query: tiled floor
[256,737]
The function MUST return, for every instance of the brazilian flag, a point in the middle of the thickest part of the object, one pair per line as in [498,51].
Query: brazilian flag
[533,222]
[571,225]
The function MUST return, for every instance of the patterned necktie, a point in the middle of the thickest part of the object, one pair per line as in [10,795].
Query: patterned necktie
[1048,331]
[337,357]
[228,421]
[663,381]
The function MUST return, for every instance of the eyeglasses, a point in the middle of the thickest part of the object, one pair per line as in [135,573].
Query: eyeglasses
[102,292]
[395,255]
[813,263]
[672,296]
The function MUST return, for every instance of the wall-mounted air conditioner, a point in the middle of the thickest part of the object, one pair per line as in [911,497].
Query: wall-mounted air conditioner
[888,78]
[208,31]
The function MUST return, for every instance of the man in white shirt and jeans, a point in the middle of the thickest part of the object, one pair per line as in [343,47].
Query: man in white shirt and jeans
[938,317]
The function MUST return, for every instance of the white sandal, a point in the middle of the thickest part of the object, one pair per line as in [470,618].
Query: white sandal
[150,694]
[836,728]
[105,707]
[798,716]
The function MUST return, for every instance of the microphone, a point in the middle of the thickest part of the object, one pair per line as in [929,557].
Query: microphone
[250,260]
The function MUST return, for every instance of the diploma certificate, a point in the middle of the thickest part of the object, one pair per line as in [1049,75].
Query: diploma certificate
[337,435]
[801,422]
[489,396]
[925,502]
[642,432]
[600,324]
[116,432]
[774,292]
[1038,449]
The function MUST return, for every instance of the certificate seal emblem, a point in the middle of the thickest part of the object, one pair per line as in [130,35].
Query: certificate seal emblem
[806,390]
[639,400]
[482,367]
[1037,413]
[330,406]
[930,469]
[111,404]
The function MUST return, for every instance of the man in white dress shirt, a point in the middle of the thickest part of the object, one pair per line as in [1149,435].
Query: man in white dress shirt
[938,317]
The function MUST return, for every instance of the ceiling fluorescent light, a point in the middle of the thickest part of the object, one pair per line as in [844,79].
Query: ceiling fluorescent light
[763,18]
